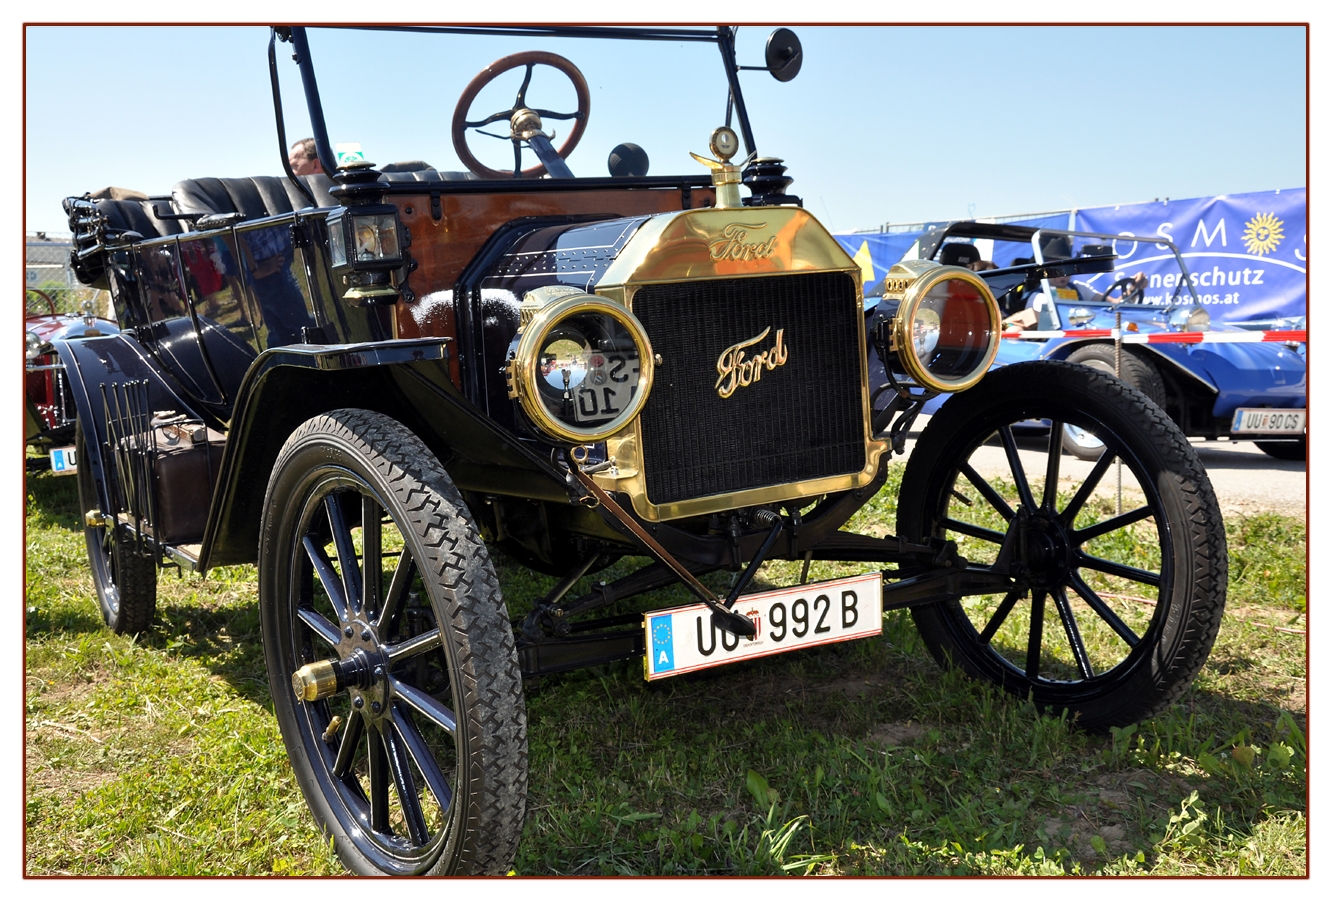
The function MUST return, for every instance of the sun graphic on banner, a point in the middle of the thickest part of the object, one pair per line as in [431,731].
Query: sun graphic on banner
[1263,233]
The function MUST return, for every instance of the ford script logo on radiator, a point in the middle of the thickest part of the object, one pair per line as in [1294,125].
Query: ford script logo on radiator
[735,369]
[733,245]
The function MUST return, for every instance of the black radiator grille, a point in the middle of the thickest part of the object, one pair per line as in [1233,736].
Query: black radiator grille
[800,421]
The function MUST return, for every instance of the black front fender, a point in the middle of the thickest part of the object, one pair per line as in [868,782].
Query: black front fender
[407,380]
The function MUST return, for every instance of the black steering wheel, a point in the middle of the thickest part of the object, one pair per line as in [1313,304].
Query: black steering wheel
[1129,291]
[530,59]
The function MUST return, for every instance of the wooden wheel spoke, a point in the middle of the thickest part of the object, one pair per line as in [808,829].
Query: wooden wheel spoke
[403,575]
[424,758]
[1016,468]
[987,491]
[372,560]
[417,645]
[1054,455]
[1113,568]
[1034,635]
[1088,486]
[347,558]
[1097,604]
[328,576]
[1000,615]
[1072,634]
[405,783]
[1128,518]
[971,529]
[425,704]
[378,769]
[320,625]
[351,738]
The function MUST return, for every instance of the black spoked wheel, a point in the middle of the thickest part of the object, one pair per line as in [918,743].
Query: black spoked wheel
[124,574]
[391,660]
[1118,567]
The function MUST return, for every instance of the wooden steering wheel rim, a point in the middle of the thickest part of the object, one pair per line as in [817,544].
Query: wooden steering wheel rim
[51,304]
[493,71]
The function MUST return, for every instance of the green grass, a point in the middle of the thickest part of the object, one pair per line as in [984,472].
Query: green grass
[159,754]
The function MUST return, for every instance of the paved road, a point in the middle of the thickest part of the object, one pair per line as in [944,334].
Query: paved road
[1245,479]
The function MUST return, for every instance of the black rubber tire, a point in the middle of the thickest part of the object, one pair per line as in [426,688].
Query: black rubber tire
[1298,450]
[465,786]
[1135,369]
[1118,680]
[125,577]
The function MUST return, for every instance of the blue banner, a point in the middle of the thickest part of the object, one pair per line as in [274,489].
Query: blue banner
[1246,253]
[876,252]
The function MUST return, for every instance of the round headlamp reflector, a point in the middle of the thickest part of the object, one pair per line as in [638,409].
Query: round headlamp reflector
[946,333]
[1195,319]
[582,369]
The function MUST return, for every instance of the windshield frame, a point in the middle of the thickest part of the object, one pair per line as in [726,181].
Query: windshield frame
[723,36]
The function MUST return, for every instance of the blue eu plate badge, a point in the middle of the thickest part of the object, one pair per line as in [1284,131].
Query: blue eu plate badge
[663,647]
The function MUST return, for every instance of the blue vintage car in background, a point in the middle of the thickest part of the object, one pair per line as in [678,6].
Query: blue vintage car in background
[1220,382]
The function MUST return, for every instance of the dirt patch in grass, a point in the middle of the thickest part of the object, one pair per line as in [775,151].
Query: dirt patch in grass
[894,735]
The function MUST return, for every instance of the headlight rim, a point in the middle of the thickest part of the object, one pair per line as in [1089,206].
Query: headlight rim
[912,298]
[525,371]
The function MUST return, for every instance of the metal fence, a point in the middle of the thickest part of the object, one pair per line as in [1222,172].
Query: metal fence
[47,269]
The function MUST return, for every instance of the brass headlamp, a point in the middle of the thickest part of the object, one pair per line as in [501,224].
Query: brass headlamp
[946,332]
[581,368]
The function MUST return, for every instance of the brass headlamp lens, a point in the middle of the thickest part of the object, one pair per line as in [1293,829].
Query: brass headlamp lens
[946,333]
[582,369]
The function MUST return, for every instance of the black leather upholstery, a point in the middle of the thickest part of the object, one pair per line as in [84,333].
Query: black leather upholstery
[137,216]
[257,197]
[270,195]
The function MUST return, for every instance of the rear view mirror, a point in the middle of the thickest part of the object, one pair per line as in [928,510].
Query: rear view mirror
[783,55]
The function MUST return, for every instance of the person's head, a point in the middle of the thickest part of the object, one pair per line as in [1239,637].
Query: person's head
[304,159]
[982,266]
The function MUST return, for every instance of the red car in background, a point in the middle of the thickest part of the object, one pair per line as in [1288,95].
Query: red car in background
[48,420]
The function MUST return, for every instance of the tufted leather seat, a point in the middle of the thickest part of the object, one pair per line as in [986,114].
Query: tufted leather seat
[257,197]
[270,195]
[137,216]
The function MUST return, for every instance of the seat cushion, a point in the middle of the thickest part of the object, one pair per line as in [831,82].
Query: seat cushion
[255,197]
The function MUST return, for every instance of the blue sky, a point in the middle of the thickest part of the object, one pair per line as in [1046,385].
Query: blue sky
[884,124]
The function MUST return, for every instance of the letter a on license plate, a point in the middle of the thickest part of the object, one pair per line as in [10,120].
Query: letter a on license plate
[681,640]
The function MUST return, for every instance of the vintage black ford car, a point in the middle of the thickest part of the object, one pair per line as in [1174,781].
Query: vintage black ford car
[364,382]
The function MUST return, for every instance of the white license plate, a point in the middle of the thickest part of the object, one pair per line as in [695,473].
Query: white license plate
[1267,421]
[63,461]
[682,640]
[608,388]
